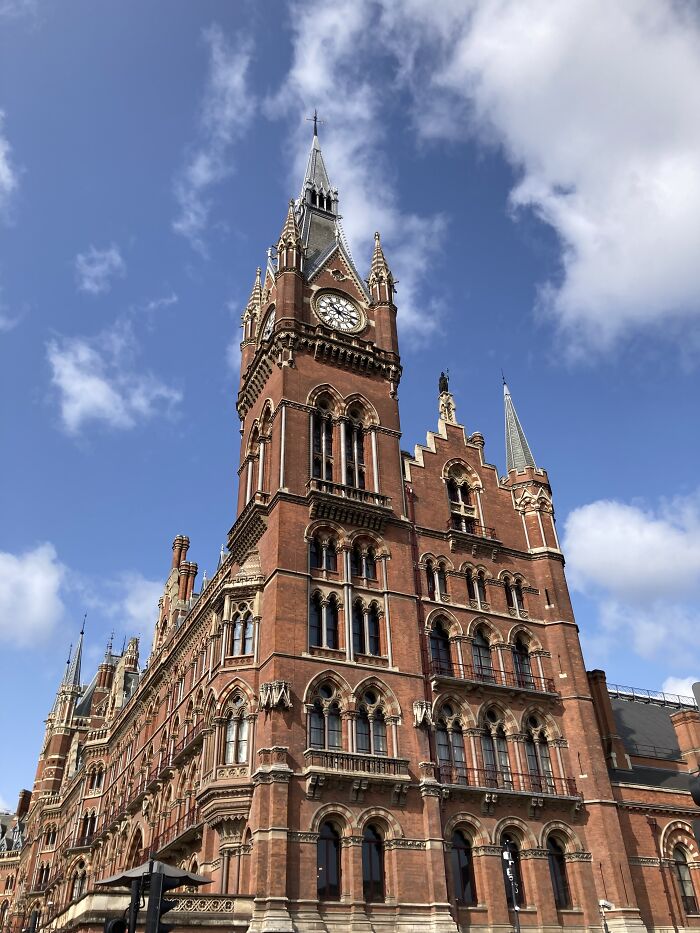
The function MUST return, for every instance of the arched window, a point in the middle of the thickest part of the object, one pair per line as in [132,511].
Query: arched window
[373,644]
[236,737]
[518,595]
[365,629]
[481,588]
[680,862]
[358,627]
[509,593]
[430,578]
[315,620]
[521,664]
[242,642]
[370,727]
[323,621]
[322,458]
[462,870]
[79,881]
[557,871]
[442,579]
[494,750]
[481,656]
[370,564]
[323,553]
[440,653]
[372,865]
[515,892]
[539,762]
[356,568]
[3,912]
[450,750]
[328,863]
[354,455]
[471,589]
[325,729]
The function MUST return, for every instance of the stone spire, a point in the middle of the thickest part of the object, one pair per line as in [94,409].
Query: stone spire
[256,294]
[289,244]
[73,672]
[316,176]
[381,281]
[518,453]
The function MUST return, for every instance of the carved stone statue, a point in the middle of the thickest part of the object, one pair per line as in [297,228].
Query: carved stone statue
[443,383]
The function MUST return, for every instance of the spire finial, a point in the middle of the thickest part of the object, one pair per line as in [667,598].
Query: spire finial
[82,630]
[315,120]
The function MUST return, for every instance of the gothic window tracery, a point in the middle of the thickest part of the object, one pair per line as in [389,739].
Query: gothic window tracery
[365,628]
[354,452]
[322,443]
[242,631]
[494,751]
[440,652]
[324,719]
[323,553]
[539,761]
[323,620]
[236,733]
[450,747]
[370,725]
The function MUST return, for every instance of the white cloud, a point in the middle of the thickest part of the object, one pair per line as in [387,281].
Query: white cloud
[30,594]
[8,321]
[641,567]
[227,110]
[591,104]
[681,686]
[13,9]
[9,179]
[97,381]
[332,69]
[155,304]
[95,269]
[138,607]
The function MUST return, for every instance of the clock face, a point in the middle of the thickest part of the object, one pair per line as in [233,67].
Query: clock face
[339,312]
[269,325]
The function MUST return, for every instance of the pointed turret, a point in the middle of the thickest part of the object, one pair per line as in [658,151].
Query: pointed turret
[518,453]
[316,177]
[256,294]
[381,281]
[289,244]
[73,672]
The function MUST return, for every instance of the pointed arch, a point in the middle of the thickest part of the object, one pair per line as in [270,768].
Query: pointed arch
[529,637]
[678,832]
[567,834]
[328,676]
[458,467]
[387,696]
[460,706]
[516,827]
[236,687]
[493,636]
[385,818]
[449,620]
[356,400]
[325,391]
[505,715]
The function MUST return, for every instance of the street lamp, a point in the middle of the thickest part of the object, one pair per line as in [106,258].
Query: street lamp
[510,875]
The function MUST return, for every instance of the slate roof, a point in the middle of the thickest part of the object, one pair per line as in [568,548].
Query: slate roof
[518,453]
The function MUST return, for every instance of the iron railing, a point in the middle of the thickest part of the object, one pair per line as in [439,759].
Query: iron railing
[491,675]
[483,778]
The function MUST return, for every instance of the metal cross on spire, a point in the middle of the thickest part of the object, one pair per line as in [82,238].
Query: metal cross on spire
[315,120]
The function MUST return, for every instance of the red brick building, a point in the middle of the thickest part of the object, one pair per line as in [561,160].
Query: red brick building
[380,689]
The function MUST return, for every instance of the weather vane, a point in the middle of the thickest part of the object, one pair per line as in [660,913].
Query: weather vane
[315,120]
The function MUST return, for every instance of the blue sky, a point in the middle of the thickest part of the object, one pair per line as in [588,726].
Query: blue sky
[534,170]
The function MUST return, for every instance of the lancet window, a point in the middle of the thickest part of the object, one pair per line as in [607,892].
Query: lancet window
[363,562]
[236,733]
[328,865]
[323,621]
[481,656]
[494,752]
[365,628]
[370,726]
[522,666]
[324,719]
[354,466]
[539,761]
[440,653]
[242,631]
[685,881]
[372,865]
[322,433]
[450,748]
[323,553]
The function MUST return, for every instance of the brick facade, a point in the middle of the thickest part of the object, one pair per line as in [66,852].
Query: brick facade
[385,665]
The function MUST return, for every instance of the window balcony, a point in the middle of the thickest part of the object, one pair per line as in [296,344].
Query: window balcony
[348,763]
[507,680]
[338,502]
[185,830]
[511,781]
[187,742]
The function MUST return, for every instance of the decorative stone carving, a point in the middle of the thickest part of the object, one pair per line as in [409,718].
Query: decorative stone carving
[404,844]
[422,715]
[275,694]
[588,857]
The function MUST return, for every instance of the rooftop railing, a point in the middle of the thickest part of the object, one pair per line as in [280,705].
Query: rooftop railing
[651,696]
